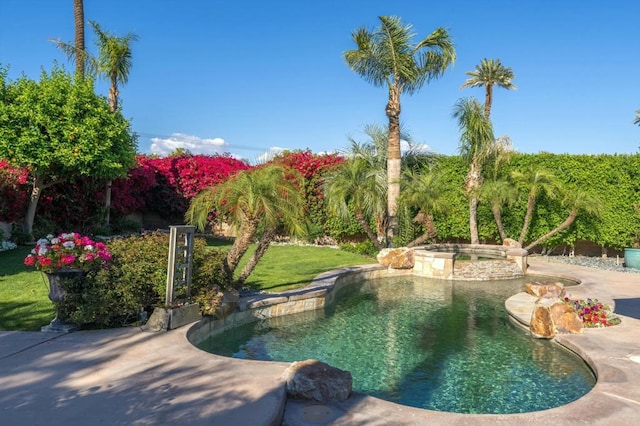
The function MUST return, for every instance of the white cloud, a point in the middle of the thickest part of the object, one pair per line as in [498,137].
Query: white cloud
[194,144]
[267,156]
[415,147]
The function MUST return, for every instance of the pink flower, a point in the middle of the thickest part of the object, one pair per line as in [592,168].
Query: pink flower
[68,259]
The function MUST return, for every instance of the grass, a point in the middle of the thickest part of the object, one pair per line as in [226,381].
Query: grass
[287,267]
[24,301]
[25,305]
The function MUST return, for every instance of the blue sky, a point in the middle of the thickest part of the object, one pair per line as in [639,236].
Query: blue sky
[254,75]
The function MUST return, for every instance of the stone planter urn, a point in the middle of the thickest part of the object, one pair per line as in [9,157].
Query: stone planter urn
[57,295]
[632,258]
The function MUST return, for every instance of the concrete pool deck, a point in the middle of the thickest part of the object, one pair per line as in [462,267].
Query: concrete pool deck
[128,376]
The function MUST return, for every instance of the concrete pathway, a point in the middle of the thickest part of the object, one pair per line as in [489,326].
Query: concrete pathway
[128,376]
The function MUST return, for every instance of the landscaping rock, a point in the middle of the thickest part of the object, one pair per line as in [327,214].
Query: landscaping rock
[228,304]
[316,381]
[566,319]
[545,289]
[541,325]
[551,316]
[396,258]
[508,242]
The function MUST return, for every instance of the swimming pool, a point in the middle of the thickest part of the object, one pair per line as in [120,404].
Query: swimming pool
[434,344]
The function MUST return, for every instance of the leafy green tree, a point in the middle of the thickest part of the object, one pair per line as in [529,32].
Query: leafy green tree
[534,181]
[112,63]
[480,150]
[59,129]
[263,199]
[490,73]
[388,57]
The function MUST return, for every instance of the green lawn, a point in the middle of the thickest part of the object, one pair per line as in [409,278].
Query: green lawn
[25,306]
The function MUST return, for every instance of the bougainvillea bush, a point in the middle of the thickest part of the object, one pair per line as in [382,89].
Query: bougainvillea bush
[593,313]
[14,192]
[313,167]
[180,178]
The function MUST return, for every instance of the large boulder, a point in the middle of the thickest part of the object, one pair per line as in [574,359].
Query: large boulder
[565,318]
[551,316]
[396,258]
[316,381]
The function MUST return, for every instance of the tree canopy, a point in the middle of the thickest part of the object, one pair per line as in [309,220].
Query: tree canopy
[58,128]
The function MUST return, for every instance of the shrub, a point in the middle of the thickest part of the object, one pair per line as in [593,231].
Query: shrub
[137,280]
[365,248]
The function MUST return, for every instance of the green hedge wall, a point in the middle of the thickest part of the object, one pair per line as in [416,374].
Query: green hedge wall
[615,179]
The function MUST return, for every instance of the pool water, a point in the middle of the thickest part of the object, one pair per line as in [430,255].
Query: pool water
[433,344]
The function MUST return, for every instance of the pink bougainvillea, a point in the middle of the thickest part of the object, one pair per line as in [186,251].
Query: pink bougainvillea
[14,192]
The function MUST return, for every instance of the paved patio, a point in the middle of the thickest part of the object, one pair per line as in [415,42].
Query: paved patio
[128,376]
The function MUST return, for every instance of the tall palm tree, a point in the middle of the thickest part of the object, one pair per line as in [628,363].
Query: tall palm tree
[78,17]
[637,119]
[113,61]
[490,73]
[480,150]
[388,57]
[265,198]
[578,201]
[535,181]
[423,190]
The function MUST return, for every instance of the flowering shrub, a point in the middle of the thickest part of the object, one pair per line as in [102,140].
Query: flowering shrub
[594,314]
[14,192]
[67,251]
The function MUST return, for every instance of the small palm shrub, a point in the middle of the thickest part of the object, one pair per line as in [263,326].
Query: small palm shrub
[136,280]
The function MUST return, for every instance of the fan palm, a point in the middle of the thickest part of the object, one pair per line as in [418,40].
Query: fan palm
[265,198]
[637,119]
[490,73]
[388,57]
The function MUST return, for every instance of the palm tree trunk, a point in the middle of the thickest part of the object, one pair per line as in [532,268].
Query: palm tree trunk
[393,162]
[531,203]
[495,209]
[265,240]
[473,219]
[564,225]
[78,15]
[246,234]
[488,99]
[367,229]
[429,232]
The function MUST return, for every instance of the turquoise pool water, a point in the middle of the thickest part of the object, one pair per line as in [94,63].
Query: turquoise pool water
[425,343]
